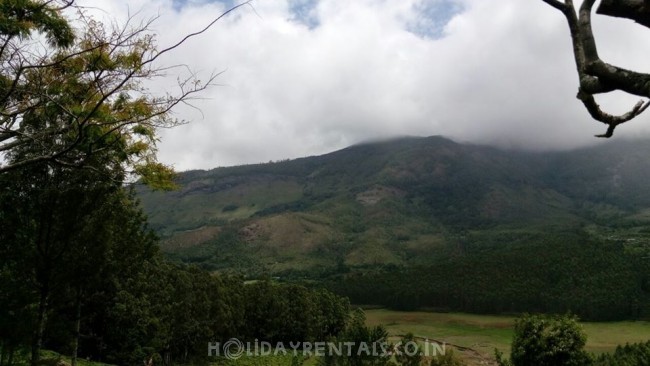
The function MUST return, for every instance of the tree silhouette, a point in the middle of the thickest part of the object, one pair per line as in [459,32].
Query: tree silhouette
[597,76]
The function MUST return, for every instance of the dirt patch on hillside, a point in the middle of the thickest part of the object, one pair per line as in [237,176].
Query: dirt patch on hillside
[190,238]
[376,194]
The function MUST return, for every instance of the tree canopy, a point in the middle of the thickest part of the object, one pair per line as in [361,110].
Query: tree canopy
[81,92]
[76,120]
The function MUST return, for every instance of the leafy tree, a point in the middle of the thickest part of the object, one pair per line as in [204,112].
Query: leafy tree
[21,18]
[596,76]
[15,293]
[134,327]
[53,210]
[541,341]
[75,122]
[408,352]
[114,242]
[369,345]
[332,314]
[82,92]
[66,236]
[628,355]
[227,313]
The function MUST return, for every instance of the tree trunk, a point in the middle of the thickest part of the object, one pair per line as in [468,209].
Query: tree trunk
[77,328]
[10,357]
[167,361]
[37,342]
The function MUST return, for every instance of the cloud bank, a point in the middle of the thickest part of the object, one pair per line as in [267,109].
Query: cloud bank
[305,77]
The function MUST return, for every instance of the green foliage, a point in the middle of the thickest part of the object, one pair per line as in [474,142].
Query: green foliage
[540,340]
[67,234]
[192,307]
[598,280]
[367,345]
[139,306]
[157,176]
[81,94]
[408,352]
[448,359]
[292,313]
[49,358]
[18,18]
[501,361]
[270,360]
[627,355]
[559,340]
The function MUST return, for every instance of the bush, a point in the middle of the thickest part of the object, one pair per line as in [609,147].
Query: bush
[547,341]
[448,359]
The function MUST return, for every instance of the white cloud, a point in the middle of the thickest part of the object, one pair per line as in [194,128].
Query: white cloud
[502,72]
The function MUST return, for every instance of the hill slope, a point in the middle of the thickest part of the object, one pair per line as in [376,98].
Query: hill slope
[409,203]
[398,198]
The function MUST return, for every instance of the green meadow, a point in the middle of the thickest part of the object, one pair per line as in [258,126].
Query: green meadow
[480,334]
[484,333]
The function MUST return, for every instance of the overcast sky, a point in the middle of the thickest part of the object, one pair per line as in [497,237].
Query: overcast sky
[306,77]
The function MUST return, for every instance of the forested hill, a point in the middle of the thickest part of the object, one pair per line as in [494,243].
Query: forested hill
[414,203]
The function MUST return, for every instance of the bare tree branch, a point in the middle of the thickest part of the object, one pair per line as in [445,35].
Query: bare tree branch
[557,5]
[66,103]
[610,120]
[170,48]
[637,10]
[596,76]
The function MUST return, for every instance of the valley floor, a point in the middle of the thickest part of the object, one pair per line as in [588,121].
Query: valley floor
[477,336]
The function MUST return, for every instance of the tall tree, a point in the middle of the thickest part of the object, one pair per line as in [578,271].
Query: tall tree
[366,345]
[68,245]
[114,242]
[75,122]
[54,207]
[80,94]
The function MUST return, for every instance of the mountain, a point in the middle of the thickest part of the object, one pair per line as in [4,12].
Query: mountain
[397,198]
[407,203]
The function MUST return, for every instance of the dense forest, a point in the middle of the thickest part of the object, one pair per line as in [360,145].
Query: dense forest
[550,274]
[82,275]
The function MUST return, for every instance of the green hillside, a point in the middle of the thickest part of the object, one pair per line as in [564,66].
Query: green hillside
[466,218]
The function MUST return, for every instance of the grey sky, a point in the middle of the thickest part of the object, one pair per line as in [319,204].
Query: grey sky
[305,77]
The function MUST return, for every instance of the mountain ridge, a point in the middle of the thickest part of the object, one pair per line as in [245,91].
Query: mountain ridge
[430,182]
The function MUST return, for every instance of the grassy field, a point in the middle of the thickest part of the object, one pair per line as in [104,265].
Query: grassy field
[50,358]
[484,333]
[481,333]
[279,360]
